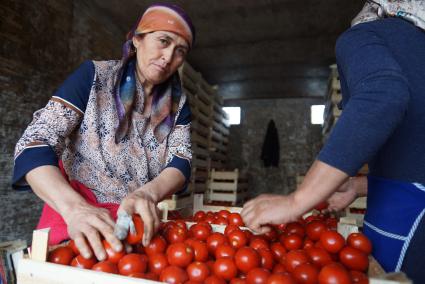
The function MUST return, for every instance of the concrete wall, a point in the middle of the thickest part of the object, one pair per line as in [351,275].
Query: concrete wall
[42,42]
[299,141]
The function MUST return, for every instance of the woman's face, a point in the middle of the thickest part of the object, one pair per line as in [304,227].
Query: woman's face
[159,54]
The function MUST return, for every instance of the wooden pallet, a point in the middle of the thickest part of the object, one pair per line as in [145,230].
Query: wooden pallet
[225,186]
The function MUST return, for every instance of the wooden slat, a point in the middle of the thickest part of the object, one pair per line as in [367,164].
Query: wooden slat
[225,186]
[196,138]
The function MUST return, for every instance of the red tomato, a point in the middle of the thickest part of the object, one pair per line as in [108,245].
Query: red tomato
[319,256]
[181,223]
[214,240]
[278,251]
[354,259]
[321,206]
[237,239]
[295,228]
[200,250]
[295,258]
[157,245]
[271,235]
[137,275]
[279,268]
[198,271]
[257,276]
[157,263]
[248,234]
[225,268]
[360,241]
[200,231]
[259,243]
[230,228]
[308,243]
[267,258]
[235,219]
[173,275]
[61,255]
[246,258]
[199,216]
[134,238]
[332,241]
[113,256]
[281,227]
[151,276]
[334,273]
[73,246]
[224,251]
[214,279]
[280,278]
[132,263]
[291,242]
[359,277]
[179,254]
[306,273]
[332,223]
[209,219]
[106,266]
[224,214]
[221,221]
[176,235]
[238,281]
[311,218]
[314,229]
[81,262]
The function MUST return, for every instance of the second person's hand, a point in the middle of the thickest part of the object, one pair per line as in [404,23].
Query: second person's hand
[269,209]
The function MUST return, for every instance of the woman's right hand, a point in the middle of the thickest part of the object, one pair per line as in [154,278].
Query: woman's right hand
[86,225]
[347,193]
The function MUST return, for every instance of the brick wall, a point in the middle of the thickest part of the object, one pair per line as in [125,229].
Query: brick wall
[299,141]
[42,42]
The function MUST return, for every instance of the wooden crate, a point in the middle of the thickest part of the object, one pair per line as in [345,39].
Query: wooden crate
[225,186]
[35,269]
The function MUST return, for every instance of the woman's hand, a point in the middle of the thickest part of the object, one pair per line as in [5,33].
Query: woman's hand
[143,201]
[86,224]
[269,209]
[347,193]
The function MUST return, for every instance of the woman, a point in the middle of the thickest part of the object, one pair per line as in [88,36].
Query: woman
[381,63]
[120,133]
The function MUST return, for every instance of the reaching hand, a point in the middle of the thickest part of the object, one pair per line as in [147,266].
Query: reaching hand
[269,209]
[345,195]
[142,202]
[86,225]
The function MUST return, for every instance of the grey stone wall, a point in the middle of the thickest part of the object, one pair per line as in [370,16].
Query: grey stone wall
[42,42]
[300,141]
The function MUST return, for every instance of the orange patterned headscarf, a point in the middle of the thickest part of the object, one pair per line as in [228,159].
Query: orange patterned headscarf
[158,17]
[165,17]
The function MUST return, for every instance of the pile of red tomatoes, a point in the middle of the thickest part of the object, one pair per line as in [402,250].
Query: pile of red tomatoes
[307,251]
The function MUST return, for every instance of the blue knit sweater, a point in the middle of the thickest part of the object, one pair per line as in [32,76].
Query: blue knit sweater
[382,73]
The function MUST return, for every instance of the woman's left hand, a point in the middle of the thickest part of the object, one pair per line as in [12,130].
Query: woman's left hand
[143,202]
[269,209]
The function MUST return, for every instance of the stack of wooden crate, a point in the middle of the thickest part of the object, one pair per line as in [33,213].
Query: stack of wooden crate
[209,133]
[333,97]
[227,186]
[219,135]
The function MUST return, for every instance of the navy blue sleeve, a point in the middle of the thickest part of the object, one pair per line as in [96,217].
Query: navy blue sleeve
[185,116]
[35,152]
[76,88]
[375,100]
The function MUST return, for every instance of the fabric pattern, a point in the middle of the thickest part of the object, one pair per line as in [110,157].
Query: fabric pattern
[40,133]
[86,142]
[410,10]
